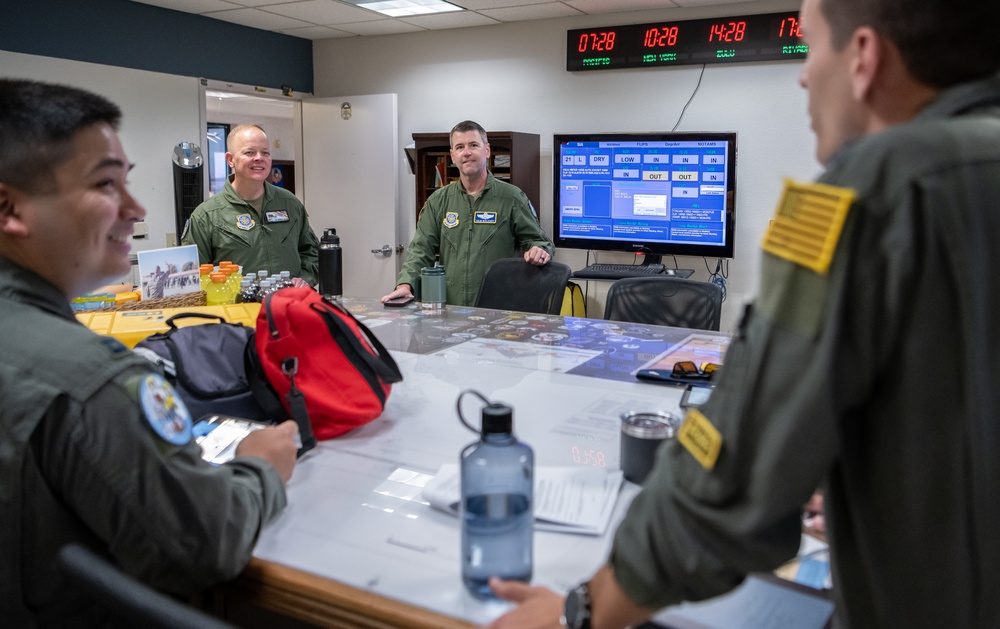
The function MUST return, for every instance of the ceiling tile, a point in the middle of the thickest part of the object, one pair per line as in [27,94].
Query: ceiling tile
[460,19]
[380,27]
[256,18]
[617,6]
[478,5]
[325,12]
[192,6]
[531,12]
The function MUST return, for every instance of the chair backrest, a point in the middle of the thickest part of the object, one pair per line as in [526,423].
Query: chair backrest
[513,284]
[665,301]
[128,602]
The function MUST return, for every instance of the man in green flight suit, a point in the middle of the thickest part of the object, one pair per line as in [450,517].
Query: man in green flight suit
[868,364]
[472,223]
[252,222]
[96,448]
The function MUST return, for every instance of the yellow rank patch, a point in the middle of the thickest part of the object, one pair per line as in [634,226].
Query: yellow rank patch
[700,438]
[807,224]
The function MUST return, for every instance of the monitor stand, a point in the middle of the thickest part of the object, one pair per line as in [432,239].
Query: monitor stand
[652,258]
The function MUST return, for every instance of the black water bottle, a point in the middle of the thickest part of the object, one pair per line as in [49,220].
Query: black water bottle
[331,272]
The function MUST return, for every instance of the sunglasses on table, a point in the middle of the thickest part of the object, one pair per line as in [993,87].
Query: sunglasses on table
[687,370]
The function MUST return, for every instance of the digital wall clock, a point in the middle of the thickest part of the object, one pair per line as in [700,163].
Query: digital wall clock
[763,37]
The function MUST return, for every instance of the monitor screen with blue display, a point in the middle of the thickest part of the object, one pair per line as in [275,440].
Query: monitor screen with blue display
[652,193]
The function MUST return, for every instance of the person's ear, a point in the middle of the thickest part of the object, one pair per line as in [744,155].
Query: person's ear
[866,63]
[11,221]
[229,159]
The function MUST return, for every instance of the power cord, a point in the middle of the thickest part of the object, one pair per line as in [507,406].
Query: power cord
[719,275]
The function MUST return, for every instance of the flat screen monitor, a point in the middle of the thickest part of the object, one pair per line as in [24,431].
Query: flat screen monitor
[652,193]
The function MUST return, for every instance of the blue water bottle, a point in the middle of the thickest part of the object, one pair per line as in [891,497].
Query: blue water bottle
[497,501]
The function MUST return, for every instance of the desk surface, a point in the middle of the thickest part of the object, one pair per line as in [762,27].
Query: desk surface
[356,514]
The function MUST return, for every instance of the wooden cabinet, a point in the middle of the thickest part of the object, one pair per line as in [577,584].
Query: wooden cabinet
[514,158]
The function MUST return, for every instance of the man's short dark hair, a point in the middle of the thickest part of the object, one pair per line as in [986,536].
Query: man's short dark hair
[37,123]
[468,125]
[942,42]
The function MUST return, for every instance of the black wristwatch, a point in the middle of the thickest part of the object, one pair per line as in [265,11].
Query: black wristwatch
[576,610]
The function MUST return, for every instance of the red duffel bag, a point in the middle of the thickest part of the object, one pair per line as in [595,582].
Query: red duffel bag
[322,361]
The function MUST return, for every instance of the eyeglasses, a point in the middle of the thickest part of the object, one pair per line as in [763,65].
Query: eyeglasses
[687,370]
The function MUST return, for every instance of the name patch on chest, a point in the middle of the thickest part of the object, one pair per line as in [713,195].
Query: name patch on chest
[245,222]
[279,216]
[488,218]
[450,220]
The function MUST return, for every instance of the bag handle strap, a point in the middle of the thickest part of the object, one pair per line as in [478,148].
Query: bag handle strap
[382,362]
[192,315]
[268,400]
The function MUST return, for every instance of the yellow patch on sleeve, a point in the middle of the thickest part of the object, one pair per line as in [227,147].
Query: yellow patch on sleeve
[807,224]
[700,438]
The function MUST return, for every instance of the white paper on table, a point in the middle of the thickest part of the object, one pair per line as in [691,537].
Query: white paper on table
[567,499]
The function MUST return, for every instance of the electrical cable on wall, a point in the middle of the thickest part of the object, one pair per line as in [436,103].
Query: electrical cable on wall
[684,109]
[719,275]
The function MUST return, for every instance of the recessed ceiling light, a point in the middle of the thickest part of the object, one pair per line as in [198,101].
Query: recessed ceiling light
[404,8]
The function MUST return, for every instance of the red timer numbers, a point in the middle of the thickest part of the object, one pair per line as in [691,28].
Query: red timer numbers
[599,41]
[727,31]
[660,37]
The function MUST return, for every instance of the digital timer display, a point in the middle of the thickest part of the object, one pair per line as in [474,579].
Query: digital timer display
[765,37]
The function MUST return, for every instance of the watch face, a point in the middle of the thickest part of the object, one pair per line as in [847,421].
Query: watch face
[577,608]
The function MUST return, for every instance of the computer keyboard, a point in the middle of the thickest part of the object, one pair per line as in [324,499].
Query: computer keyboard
[616,271]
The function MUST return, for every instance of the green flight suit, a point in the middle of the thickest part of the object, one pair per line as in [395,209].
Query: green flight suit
[80,462]
[471,233]
[225,227]
[880,377]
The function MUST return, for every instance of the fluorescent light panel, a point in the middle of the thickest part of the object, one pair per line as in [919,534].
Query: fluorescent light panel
[403,8]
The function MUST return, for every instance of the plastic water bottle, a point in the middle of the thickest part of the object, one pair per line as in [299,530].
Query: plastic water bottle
[217,294]
[204,271]
[248,292]
[331,272]
[497,504]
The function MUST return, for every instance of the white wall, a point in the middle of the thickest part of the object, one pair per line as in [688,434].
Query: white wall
[158,112]
[513,77]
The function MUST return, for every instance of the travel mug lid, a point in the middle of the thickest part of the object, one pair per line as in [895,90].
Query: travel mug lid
[432,270]
[650,424]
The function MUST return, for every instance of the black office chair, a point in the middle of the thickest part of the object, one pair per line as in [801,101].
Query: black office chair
[665,301]
[513,284]
[128,602]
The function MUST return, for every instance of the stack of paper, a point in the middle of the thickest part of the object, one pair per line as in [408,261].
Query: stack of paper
[567,499]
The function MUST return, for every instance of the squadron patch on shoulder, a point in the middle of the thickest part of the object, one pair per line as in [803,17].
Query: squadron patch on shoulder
[245,222]
[700,438]
[450,220]
[164,410]
[807,224]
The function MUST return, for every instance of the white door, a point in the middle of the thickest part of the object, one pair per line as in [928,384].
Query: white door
[350,170]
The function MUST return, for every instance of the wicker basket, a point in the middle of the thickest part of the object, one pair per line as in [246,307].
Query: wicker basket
[188,300]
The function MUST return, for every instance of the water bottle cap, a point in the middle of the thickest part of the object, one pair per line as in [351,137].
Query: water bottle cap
[432,270]
[497,418]
[330,236]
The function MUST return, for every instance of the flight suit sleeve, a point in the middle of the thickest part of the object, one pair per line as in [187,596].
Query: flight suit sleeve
[199,233]
[425,244]
[796,366]
[167,517]
[528,231]
[308,247]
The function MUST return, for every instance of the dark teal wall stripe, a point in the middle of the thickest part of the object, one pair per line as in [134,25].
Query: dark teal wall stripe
[146,37]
